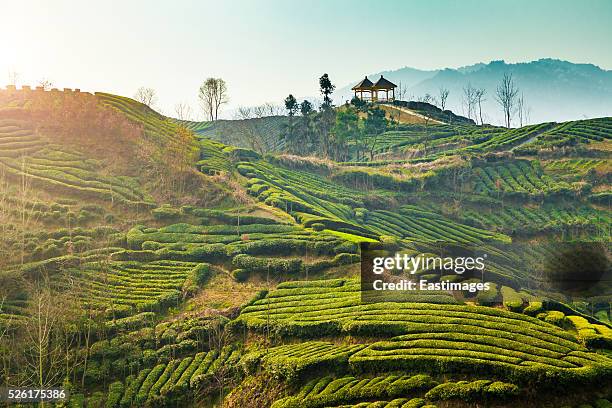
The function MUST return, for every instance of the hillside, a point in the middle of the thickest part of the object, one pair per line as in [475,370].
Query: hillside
[260,134]
[554,90]
[178,266]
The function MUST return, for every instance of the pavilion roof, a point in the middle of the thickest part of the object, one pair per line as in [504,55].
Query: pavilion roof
[364,84]
[384,83]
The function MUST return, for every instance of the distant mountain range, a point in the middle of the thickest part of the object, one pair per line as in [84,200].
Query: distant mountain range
[553,90]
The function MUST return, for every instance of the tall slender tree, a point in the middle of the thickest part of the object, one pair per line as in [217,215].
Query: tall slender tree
[505,95]
[290,132]
[212,95]
[327,116]
[443,94]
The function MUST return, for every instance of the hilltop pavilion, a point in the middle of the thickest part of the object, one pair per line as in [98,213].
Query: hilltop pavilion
[371,92]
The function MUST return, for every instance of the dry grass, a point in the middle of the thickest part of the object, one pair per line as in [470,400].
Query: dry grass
[223,292]
[405,116]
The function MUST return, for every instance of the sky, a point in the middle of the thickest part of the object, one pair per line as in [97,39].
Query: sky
[266,49]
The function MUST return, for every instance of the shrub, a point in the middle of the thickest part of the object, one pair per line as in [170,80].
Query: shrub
[166,212]
[241,275]
[472,391]
[534,308]
[317,226]
[276,266]
[115,392]
[511,299]
[555,317]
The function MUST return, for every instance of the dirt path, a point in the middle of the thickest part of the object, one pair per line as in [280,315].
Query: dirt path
[412,113]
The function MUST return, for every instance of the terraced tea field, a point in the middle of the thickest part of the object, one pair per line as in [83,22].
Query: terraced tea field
[171,380]
[435,336]
[434,140]
[518,179]
[262,134]
[201,268]
[517,220]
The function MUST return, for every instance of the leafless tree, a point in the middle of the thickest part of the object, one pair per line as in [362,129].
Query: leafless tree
[402,92]
[427,98]
[43,354]
[256,140]
[273,109]
[147,96]
[505,95]
[521,110]
[469,99]
[213,94]
[443,94]
[183,111]
[13,77]
[480,98]
[46,84]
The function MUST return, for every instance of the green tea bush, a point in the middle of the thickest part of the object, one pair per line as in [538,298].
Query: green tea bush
[473,391]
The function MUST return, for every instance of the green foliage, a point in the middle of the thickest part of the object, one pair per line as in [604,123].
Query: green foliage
[115,392]
[328,391]
[473,391]
[512,300]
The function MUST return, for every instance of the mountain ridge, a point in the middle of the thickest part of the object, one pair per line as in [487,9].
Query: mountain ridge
[554,90]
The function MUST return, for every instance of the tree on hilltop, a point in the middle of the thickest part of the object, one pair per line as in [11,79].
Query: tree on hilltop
[359,103]
[505,95]
[479,97]
[291,105]
[469,100]
[289,131]
[327,116]
[306,108]
[146,96]
[213,94]
[183,111]
[307,128]
[443,95]
[327,88]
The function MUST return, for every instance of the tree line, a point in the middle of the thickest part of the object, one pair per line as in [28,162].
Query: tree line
[336,133]
[507,95]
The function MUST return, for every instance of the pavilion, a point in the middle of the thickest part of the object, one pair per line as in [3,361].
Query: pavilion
[371,92]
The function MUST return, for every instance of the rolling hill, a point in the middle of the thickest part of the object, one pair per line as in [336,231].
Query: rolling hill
[175,268]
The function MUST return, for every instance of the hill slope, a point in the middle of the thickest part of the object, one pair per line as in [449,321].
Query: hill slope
[202,273]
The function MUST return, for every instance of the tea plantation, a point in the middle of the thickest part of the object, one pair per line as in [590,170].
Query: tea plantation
[147,261]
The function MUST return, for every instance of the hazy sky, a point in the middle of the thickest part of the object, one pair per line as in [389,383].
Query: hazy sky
[267,49]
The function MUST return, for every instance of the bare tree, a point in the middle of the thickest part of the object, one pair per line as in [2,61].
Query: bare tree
[443,94]
[255,139]
[13,77]
[427,98]
[46,84]
[469,99]
[273,109]
[43,354]
[183,111]
[213,94]
[505,95]
[402,92]
[521,110]
[479,97]
[147,96]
